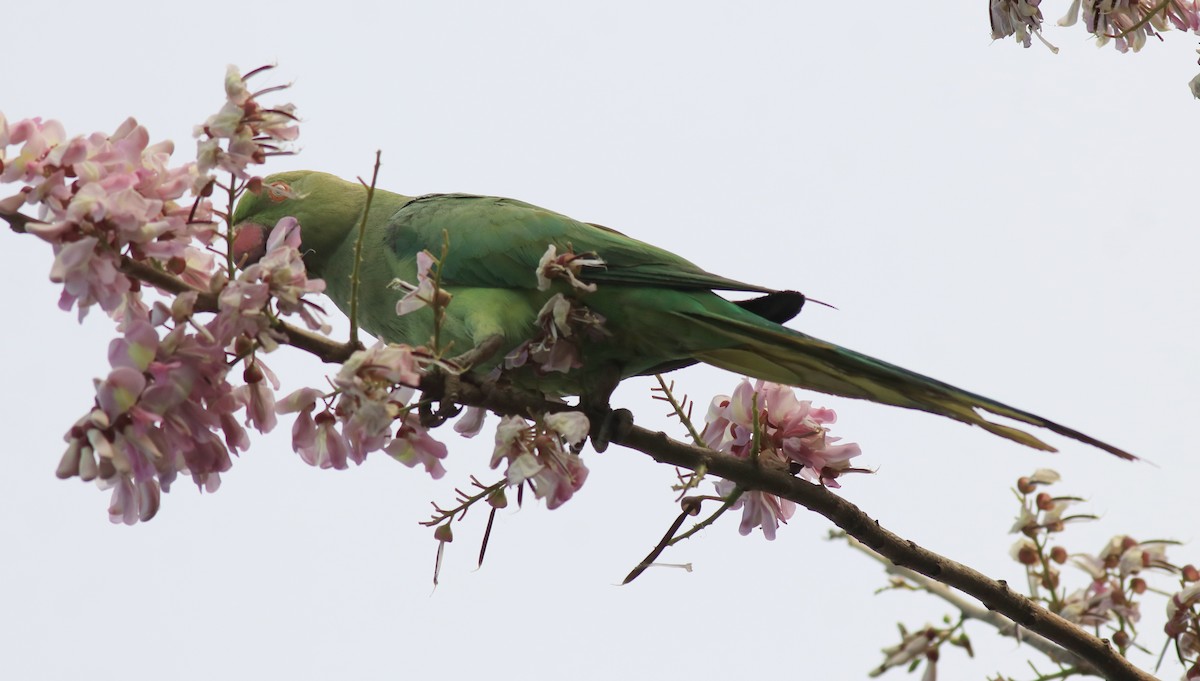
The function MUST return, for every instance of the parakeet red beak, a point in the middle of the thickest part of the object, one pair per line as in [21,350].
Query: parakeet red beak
[249,243]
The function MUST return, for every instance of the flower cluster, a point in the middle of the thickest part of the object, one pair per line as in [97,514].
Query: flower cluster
[915,647]
[165,408]
[278,276]
[372,391]
[243,132]
[101,198]
[110,206]
[1020,18]
[562,323]
[1118,574]
[765,420]
[1128,23]
[1183,621]
[536,454]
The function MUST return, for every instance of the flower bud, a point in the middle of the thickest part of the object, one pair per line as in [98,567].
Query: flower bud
[1058,554]
[498,499]
[1190,573]
[176,265]
[1025,485]
[1027,555]
[443,533]
[88,468]
[691,505]
[1121,639]
[1137,585]
[252,374]
[242,346]
[68,466]
[1045,502]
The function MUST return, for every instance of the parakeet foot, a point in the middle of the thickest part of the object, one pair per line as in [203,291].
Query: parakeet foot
[615,423]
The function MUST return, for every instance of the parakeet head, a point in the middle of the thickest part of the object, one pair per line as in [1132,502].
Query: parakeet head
[327,208]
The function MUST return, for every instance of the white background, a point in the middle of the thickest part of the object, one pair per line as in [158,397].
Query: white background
[1017,223]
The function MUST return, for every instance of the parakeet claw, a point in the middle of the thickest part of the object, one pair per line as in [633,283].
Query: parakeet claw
[614,424]
[433,419]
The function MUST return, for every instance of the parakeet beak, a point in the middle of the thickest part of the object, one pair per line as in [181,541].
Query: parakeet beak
[249,243]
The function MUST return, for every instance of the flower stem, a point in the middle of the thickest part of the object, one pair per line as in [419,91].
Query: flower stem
[729,501]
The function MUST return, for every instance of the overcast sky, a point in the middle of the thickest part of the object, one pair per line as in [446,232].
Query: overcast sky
[1017,223]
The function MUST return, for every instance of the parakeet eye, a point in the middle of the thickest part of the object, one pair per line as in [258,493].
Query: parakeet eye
[278,191]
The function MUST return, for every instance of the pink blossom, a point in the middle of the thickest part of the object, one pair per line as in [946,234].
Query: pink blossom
[425,292]
[374,385]
[562,322]
[282,272]
[471,422]
[1097,604]
[790,429]
[243,132]
[132,502]
[167,406]
[567,267]
[304,430]
[120,201]
[120,391]
[759,509]
[1106,20]
[327,448]
[1022,18]
[259,400]
[536,455]
[413,445]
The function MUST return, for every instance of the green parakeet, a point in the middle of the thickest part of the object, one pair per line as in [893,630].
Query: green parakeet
[659,311]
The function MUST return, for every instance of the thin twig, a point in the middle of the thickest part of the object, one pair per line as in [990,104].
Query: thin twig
[669,397]
[358,246]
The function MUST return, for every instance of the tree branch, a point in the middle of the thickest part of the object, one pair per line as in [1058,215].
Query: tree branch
[746,474]
[995,595]
[323,347]
[970,610]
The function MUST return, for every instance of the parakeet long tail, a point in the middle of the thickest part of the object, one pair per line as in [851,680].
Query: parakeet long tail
[778,354]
